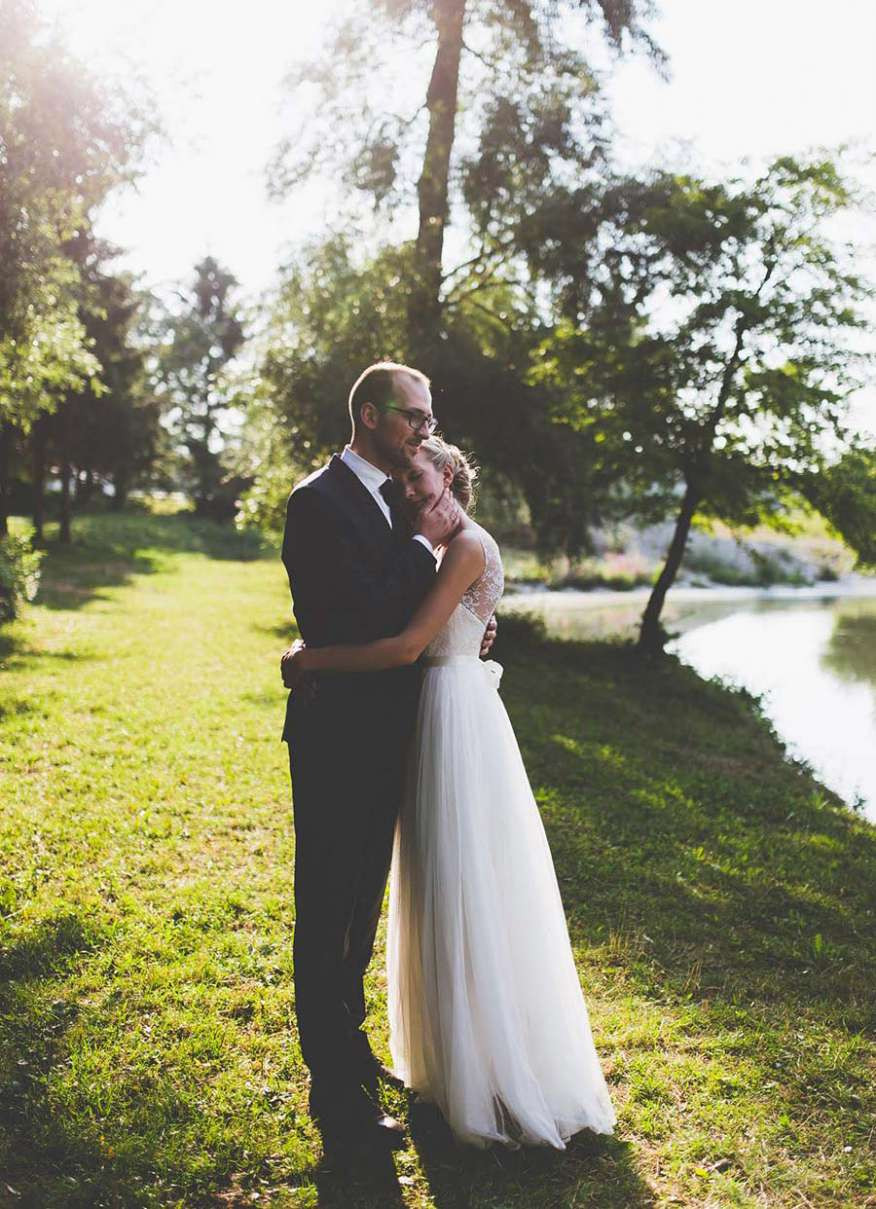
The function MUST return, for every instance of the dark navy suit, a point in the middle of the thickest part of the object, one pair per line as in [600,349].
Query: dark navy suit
[353,579]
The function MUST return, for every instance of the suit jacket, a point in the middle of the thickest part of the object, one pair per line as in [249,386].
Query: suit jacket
[353,578]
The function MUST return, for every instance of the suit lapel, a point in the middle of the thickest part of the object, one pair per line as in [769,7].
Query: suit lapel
[401,526]
[358,502]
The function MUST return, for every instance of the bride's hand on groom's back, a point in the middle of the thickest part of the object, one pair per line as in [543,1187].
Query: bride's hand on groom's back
[291,669]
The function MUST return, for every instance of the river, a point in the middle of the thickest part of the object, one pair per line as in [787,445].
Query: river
[810,653]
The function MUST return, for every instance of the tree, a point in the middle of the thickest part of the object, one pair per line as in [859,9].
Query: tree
[844,492]
[709,333]
[504,107]
[197,343]
[108,428]
[336,314]
[65,142]
[485,71]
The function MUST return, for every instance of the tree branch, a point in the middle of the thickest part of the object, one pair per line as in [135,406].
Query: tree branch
[742,327]
[483,255]
[487,284]
[491,64]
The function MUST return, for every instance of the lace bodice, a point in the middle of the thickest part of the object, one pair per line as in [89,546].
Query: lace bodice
[464,629]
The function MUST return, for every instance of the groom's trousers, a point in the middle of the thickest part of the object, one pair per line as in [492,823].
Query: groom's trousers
[347,749]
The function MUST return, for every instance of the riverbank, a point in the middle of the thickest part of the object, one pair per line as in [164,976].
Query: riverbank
[807,654]
[719,901]
[849,585]
[615,613]
[627,556]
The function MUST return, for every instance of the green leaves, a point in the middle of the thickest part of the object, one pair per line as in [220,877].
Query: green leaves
[48,353]
[195,345]
[845,493]
[66,141]
[19,575]
[707,333]
[719,329]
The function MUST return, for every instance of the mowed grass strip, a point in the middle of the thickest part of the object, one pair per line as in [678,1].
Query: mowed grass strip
[719,900]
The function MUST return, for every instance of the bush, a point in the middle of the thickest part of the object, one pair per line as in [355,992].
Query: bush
[263,506]
[19,573]
[518,631]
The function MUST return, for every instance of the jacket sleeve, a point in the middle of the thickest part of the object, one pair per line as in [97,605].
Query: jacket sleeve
[324,562]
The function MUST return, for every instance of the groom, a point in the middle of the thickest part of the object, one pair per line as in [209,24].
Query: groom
[357,570]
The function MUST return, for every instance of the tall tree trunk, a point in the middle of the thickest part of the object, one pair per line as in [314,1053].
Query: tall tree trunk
[38,444]
[6,438]
[120,489]
[85,486]
[424,304]
[650,632]
[66,476]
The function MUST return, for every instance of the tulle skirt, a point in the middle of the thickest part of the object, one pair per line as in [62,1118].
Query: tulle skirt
[487,1017]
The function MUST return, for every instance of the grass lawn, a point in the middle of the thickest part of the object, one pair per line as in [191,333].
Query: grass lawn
[721,904]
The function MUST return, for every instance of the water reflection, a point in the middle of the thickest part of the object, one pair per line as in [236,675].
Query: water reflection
[851,650]
[805,658]
[813,660]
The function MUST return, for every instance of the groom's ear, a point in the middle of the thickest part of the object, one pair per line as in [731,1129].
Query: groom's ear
[369,416]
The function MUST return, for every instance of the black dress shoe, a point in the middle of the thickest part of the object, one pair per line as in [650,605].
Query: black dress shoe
[350,1119]
[377,1133]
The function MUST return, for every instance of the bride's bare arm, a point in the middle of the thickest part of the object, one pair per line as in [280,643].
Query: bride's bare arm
[460,567]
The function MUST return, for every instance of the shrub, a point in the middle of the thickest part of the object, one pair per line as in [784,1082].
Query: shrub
[520,630]
[19,573]
[263,506]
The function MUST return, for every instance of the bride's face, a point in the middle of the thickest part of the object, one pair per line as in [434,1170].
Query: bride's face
[423,482]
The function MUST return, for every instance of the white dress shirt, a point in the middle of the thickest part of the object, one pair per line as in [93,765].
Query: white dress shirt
[372,478]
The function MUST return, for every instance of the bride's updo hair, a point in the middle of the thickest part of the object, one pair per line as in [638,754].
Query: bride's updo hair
[465,473]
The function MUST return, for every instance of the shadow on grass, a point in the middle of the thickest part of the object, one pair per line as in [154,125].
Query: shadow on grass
[12,709]
[59,1149]
[34,1142]
[369,1182]
[593,1170]
[16,654]
[682,834]
[702,861]
[284,632]
[109,548]
[55,1152]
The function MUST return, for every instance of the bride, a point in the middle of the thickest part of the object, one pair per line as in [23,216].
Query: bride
[487,1017]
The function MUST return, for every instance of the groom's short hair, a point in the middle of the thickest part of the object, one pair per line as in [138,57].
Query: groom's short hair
[376,385]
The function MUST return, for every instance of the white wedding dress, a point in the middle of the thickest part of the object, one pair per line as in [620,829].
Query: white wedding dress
[487,1017]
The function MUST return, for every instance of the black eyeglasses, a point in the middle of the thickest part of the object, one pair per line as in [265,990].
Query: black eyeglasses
[417,420]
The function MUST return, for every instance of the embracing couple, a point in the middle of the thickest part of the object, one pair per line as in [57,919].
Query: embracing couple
[402,755]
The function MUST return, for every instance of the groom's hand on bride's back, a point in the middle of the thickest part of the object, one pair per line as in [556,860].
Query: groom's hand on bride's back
[489,636]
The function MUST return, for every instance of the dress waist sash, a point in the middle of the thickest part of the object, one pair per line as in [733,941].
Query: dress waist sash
[444,660]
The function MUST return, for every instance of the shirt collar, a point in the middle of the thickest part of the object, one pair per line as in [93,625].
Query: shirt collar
[370,475]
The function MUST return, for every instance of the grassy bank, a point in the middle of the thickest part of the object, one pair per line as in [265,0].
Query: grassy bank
[720,903]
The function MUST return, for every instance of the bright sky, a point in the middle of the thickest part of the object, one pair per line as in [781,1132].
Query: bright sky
[750,78]
[216,68]
[754,78]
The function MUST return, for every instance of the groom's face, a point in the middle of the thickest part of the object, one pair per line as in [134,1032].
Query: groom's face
[396,439]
